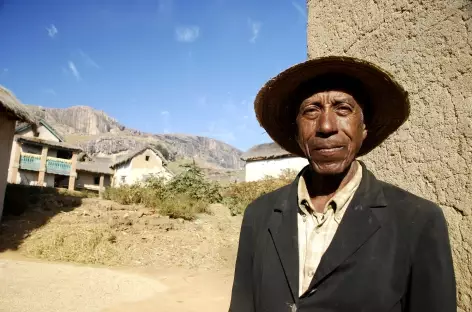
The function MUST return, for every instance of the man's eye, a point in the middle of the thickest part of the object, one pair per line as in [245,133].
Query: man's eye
[311,109]
[345,109]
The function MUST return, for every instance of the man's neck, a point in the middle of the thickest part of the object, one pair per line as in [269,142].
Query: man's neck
[323,187]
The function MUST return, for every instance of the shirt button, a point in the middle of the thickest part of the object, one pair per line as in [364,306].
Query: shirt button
[311,273]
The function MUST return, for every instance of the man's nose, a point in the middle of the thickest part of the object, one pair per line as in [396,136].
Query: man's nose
[327,124]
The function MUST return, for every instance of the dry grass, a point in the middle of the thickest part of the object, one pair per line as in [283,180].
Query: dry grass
[85,243]
[104,232]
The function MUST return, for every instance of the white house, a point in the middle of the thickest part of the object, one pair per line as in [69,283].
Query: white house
[269,159]
[138,165]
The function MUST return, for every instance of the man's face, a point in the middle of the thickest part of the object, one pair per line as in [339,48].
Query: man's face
[331,130]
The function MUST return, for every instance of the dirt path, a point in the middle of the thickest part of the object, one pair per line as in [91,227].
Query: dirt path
[40,287]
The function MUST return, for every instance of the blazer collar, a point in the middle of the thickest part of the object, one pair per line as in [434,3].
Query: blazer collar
[356,227]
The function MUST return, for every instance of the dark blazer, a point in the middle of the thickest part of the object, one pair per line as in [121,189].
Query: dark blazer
[391,252]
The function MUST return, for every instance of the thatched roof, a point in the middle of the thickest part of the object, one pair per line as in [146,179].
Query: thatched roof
[12,105]
[131,154]
[265,151]
[96,165]
[41,142]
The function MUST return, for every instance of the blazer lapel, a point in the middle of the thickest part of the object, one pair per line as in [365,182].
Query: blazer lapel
[283,229]
[357,226]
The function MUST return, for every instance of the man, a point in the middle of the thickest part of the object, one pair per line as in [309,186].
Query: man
[337,239]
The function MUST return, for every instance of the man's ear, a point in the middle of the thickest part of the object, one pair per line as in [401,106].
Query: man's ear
[364,131]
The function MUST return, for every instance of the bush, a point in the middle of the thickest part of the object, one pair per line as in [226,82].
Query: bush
[190,193]
[238,196]
[184,196]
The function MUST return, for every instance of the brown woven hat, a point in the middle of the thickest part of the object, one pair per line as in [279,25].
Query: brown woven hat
[388,106]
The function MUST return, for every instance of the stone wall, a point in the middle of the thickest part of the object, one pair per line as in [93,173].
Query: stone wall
[427,45]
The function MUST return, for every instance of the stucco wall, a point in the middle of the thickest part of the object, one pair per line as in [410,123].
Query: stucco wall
[257,170]
[43,133]
[138,168]
[7,130]
[122,171]
[28,177]
[86,179]
[427,45]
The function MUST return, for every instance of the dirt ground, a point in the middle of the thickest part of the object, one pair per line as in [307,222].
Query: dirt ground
[30,285]
[104,232]
[194,260]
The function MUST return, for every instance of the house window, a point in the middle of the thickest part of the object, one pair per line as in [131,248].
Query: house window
[147,158]
[123,179]
[96,180]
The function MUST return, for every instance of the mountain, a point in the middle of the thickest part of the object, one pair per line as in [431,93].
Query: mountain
[99,134]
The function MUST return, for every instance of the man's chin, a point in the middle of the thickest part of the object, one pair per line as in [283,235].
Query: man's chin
[331,168]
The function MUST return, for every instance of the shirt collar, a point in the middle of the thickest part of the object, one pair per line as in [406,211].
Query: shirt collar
[339,199]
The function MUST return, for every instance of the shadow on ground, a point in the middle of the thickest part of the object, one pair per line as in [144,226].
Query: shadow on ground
[27,208]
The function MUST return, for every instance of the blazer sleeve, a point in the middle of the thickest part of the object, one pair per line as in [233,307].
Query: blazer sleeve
[432,281]
[242,297]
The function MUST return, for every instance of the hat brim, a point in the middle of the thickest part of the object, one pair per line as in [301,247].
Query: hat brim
[389,104]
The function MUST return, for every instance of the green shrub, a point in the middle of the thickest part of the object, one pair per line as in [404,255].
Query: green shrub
[238,196]
[182,206]
[190,192]
[184,196]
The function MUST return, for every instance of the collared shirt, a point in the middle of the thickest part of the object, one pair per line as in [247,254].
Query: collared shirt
[316,230]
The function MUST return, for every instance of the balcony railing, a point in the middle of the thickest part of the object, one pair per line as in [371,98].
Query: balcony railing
[58,166]
[30,161]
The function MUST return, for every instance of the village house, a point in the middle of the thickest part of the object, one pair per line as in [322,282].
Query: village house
[39,156]
[269,160]
[11,111]
[93,174]
[138,165]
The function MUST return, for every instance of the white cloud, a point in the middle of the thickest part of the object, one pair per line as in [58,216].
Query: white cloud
[88,60]
[74,70]
[165,113]
[187,33]
[52,31]
[300,9]
[255,27]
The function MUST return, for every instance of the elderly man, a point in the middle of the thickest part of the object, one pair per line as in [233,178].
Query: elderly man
[337,239]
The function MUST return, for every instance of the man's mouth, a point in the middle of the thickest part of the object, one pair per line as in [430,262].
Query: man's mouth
[329,150]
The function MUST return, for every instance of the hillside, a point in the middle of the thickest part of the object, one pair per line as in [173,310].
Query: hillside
[99,134]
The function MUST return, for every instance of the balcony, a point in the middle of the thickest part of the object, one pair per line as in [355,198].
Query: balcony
[53,165]
[30,161]
[58,166]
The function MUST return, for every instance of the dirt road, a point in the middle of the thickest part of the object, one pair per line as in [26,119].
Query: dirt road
[40,287]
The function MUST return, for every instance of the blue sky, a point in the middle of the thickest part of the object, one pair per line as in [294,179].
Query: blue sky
[175,66]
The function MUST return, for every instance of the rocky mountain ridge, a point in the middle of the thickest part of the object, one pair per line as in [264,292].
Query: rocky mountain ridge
[99,134]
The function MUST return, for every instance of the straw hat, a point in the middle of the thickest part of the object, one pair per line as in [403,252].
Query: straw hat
[388,106]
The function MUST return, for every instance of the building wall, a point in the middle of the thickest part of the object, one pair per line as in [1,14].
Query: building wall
[27,177]
[7,131]
[86,180]
[44,134]
[122,174]
[427,46]
[139,168]
[257,170]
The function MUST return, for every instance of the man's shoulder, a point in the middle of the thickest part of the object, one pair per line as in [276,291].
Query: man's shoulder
[406,202]
[265,204]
